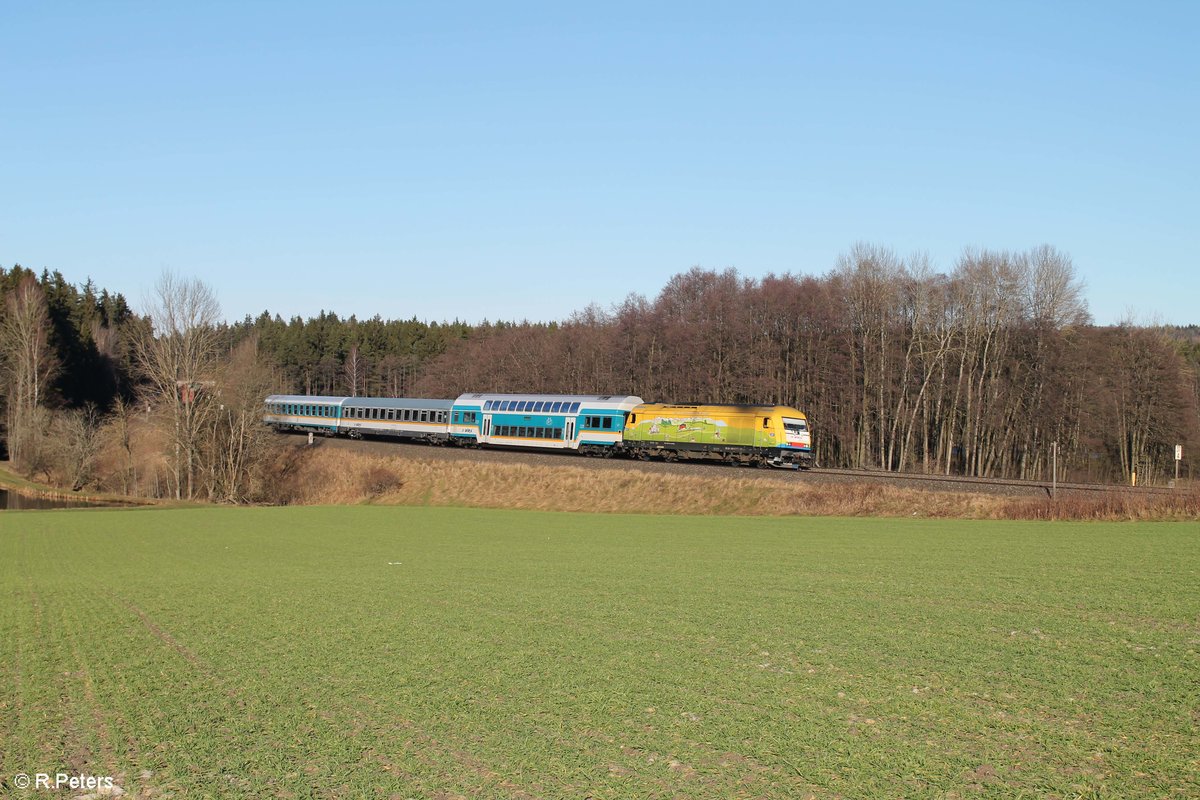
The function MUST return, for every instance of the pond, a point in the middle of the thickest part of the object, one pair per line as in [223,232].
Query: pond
[13,501]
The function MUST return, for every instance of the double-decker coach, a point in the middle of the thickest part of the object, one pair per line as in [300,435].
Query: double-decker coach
[591,424]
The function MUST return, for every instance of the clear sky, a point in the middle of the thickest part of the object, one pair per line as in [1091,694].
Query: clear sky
[521,160]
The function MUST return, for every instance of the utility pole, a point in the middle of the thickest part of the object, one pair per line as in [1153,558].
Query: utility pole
[1054,470]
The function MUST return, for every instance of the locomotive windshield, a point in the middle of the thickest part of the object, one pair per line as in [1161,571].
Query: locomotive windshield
[792,425]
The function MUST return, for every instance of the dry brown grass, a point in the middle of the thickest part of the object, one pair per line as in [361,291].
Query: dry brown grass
[1125,506]
[338,477]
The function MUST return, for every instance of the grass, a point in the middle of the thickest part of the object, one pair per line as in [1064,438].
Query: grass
[430,652]
[323,476]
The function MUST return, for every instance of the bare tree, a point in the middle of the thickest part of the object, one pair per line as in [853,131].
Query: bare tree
[178,356]
[355,370]
[238,441]
[29,365]
[871,277]
[78,441]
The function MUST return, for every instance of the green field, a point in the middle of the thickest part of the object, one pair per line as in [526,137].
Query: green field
[414,652]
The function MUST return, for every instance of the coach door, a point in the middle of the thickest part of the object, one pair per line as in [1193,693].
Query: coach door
[487,425]
[570,431]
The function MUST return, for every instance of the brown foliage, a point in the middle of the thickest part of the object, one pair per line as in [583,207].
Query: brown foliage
[979,371]
[326,476]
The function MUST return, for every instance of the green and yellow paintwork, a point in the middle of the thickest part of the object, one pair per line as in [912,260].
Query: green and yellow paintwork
[720,425]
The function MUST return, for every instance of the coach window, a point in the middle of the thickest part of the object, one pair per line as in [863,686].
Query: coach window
[608,423]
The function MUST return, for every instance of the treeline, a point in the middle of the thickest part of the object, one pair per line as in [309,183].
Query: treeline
[983,371]
[327,355]
[168,403]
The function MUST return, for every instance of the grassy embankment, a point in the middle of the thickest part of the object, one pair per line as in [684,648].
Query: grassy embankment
[421,652]
[338,477]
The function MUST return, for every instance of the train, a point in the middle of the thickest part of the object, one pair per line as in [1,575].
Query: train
[593,425]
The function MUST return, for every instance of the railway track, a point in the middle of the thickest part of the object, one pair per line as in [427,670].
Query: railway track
[952,483]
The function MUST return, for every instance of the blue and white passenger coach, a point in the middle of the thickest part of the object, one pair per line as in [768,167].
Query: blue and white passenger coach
[402,417]
[303,412]
[591,424]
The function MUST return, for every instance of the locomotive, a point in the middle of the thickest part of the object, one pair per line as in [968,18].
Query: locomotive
[594,425]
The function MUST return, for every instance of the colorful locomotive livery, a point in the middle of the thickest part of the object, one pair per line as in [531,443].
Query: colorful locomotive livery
[597,425]
[774,435]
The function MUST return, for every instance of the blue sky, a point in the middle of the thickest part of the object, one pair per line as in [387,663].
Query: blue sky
[509,161]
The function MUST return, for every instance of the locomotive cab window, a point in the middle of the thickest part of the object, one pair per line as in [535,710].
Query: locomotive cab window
[795,425]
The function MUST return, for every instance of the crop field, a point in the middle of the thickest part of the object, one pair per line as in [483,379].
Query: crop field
[439,653]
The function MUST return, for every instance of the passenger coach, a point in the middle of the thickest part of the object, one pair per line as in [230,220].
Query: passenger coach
[591,424]
[402,417]
[302,412]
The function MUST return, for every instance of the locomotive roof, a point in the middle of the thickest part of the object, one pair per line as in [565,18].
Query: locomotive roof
[730,407]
